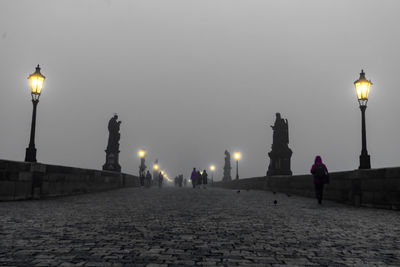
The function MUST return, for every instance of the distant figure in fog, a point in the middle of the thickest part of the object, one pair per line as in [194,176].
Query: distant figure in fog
[184,182]
[321,177]
[193,177]
[180,180]
[160,180]
[204,176]
[199,179]
[148,179]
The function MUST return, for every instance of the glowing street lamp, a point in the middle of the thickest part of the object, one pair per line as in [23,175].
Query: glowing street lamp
[237,156]
[36,81]
[363,86]
[156,167]
[142,153]
[142,166]
[212,169]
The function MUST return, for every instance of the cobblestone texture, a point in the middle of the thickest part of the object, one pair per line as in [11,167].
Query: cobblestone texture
[182,226]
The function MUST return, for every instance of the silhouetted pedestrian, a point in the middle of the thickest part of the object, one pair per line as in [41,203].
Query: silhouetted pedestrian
[148,179]
[184,182]
[180,180]
[141,177]
[204,176]
[199,179]
[193,177]
[160,180]
[321,177]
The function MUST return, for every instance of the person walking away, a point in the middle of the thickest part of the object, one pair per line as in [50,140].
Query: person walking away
[193,177]
[160,180]
[180,180]
[148,179]
[204,176]
[321,177]
[141,177]
[199,179]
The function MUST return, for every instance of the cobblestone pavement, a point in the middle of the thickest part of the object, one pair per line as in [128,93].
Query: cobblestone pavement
[182,226]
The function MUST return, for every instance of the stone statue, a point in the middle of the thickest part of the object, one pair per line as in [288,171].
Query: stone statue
[112,151]
[227,167]
[281,153]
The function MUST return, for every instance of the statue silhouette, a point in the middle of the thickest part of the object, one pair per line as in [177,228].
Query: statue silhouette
[227,167]
[281,153]
[112,151]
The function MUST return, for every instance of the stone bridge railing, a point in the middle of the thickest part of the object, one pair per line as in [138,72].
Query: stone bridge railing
[370,188]
[23,180]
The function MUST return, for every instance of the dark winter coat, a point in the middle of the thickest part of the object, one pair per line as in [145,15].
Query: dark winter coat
[324,179]
[205,178]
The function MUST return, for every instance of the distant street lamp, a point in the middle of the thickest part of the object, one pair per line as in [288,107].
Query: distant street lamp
[36,81]
[362,89]
[156,167]
[212,169]
[142,166]
[237,156]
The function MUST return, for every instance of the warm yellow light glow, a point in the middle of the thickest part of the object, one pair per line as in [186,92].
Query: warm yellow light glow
[201,173]
[237,155]
[212,168]
[36,81]
[156,167]
[362,87]
[142,153]
[162,172]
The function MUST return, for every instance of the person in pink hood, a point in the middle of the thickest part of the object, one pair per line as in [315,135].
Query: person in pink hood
[321,177]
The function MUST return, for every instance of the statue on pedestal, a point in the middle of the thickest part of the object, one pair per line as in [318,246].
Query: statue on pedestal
[227,167]
[281,153]
[112,151]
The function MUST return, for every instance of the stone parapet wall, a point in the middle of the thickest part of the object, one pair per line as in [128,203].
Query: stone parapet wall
[370,188]
[22,180]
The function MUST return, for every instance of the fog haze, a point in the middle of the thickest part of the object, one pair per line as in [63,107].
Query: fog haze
[190,79]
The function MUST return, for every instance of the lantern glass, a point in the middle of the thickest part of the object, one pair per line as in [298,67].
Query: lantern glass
[362,86]
[36,81]
[362,89]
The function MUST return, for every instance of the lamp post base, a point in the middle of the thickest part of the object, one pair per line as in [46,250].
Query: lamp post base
[365,162]
[30,154]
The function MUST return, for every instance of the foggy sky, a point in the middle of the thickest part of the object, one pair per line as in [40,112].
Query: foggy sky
[190,79]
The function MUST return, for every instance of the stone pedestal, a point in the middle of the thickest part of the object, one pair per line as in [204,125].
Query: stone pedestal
[112,161]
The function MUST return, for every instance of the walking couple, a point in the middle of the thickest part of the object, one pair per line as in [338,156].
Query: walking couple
[198,178]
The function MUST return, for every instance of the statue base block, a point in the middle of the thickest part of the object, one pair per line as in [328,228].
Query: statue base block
[112,162]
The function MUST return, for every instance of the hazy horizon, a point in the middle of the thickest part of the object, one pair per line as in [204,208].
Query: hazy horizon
[190,79]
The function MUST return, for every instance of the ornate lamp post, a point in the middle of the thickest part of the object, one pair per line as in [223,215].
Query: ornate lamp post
[237,156]
[36,81]
[142,167]
[363,86]
[156,168]
[212,169]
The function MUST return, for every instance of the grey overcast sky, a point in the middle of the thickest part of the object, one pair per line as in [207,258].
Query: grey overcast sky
[190,79]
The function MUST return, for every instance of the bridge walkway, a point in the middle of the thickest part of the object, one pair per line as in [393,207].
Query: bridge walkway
[182,226]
